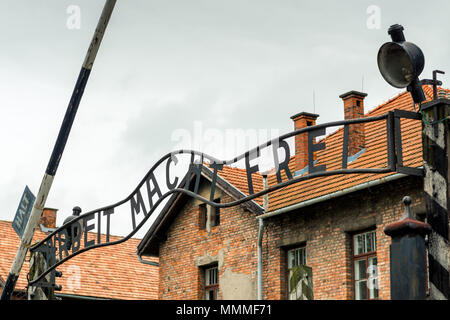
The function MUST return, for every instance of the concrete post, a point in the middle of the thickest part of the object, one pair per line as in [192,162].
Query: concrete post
[408,256]
[37,266]
[436,142]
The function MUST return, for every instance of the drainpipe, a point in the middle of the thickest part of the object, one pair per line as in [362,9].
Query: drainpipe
[260,238]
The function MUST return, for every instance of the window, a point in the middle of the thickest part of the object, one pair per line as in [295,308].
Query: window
[296,257]
[211,283]
[215,217]
[203,215]
[299,282]
[365,266]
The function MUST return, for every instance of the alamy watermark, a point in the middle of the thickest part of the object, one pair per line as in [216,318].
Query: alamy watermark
[73,281]
[73,21]
[372,280]
[374,19]
[223,143]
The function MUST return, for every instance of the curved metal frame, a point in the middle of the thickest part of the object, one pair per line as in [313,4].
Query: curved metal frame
[388,116]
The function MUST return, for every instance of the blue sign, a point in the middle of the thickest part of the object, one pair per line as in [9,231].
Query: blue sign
[23,211]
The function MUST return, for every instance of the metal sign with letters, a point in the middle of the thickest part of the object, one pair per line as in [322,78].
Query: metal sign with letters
[84,232]
[23,211]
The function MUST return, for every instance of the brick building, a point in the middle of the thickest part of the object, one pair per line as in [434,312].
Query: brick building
[103,273]
[333,225]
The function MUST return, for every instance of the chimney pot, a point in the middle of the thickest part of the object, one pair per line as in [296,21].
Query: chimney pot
[354,109]
[48,218]
[302,120]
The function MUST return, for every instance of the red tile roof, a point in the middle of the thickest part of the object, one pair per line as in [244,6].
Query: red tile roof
[374,157]
[112,272]
[238,178]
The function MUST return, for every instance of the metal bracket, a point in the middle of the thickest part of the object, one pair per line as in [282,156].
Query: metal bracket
[434,82]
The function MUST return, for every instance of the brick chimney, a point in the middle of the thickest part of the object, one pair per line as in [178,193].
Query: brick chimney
[48,218]
[302,120]
[353,109]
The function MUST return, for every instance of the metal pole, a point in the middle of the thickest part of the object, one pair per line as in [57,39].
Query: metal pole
[57,150]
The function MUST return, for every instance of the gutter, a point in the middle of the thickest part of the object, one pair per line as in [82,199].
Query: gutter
[156,264]
[75,296]
[332,195]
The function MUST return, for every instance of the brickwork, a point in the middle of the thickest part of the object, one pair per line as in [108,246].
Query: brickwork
[354,109]
[326,229]
[189,249]
[302,120]
[48,218]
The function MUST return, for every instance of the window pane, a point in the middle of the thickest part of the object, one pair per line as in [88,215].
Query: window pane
[373,293]
[360,290]
[360,269]
[296,257]
[202,216]
[217,214]
[372,272]
[364,243]
[302,256]
[217,217]
[211,276]
[367,242]
[370,242]
[374,241]
[291,259]
[358,244]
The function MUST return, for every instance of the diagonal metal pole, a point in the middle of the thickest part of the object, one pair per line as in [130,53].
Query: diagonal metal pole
[58,149]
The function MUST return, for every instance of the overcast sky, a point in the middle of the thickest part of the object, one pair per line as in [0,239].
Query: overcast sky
[167,67]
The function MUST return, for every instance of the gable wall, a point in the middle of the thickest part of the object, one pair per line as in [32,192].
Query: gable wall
[232,245]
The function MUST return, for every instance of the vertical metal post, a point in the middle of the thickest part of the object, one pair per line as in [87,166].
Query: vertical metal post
[259,257]
[408,256]
[57,150]
[436,146]
[37,265]
[260,293]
